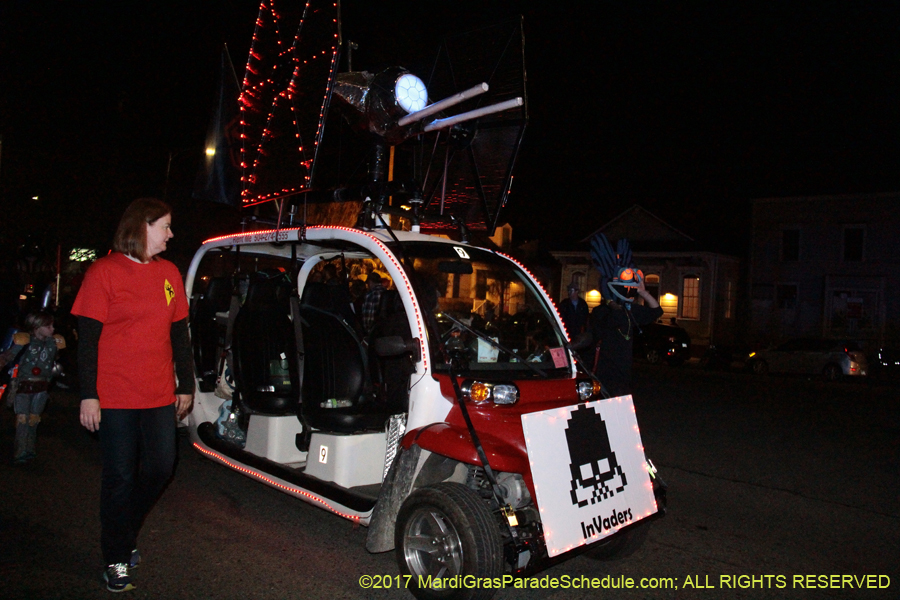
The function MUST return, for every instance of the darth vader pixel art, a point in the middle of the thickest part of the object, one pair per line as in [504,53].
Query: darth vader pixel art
[596,474]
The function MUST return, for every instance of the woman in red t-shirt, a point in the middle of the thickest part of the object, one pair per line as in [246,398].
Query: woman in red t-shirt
[136,372]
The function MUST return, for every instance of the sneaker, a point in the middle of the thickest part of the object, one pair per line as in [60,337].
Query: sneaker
[135,559]
[117,578]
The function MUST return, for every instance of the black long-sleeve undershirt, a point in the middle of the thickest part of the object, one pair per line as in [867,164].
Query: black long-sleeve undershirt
[89,331]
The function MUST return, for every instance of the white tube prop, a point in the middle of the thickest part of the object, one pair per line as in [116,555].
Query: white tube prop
[442,104]
[474,114]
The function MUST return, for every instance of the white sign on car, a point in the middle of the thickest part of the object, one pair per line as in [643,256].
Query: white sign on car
[607,484]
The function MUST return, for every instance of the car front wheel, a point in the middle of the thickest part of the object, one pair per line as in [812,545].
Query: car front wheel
[443,531]
[652,355]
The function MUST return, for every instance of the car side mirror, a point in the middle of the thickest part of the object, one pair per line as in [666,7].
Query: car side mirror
[394,345]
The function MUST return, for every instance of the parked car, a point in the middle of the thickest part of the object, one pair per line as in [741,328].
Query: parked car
[657,343]
[469,443]
[832,359]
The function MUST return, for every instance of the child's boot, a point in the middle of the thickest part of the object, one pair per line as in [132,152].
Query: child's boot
[21,447]
[31,439]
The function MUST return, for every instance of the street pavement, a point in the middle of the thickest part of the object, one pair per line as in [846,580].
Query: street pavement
[771,480]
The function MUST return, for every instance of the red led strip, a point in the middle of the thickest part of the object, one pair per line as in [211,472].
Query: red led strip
[291,489]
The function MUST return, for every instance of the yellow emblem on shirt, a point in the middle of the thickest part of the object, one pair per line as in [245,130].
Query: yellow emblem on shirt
[170,292]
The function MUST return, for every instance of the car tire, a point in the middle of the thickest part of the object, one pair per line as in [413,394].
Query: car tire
[652,356]
[447,530]
[760,367]
[620,546]
[832,372]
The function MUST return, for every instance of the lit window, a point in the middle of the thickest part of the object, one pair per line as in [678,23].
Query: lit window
[690,305]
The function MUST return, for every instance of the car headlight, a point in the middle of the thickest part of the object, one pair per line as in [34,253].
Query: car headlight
[481,392]
[505,394]
[588,389]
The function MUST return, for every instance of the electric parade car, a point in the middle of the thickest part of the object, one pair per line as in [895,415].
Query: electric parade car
[458,428]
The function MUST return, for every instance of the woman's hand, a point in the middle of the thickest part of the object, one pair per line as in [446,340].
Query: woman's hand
[90,414]
[183,404]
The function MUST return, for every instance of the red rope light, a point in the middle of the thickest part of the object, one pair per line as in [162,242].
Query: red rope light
[288,488]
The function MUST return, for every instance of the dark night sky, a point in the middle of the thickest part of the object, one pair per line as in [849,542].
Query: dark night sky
[689,109]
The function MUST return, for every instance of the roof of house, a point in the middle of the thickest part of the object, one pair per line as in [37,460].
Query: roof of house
[645,231]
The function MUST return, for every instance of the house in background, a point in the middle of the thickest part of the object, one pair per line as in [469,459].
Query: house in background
[825,266]
[695,287]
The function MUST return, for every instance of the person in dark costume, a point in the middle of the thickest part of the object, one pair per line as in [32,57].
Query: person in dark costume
[616,321]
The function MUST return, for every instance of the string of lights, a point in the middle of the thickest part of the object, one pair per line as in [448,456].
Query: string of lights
[285,95]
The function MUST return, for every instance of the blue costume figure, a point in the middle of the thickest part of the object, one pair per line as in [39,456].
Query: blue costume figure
[616,321]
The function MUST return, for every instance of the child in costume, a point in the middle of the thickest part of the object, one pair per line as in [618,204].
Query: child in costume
[36,353]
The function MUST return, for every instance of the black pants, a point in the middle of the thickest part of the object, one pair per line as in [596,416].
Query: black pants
[138,447]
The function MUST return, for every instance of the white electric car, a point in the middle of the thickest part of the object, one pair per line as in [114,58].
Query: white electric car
[457,427]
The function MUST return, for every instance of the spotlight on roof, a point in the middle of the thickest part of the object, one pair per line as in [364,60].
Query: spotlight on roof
[410,93]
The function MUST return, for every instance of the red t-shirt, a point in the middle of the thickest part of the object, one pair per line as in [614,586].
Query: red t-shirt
[137,304]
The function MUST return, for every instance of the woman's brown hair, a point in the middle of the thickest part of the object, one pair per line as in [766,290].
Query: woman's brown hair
[131,235]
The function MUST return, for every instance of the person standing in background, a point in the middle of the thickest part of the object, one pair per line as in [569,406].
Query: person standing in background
[574,312]
[372,301]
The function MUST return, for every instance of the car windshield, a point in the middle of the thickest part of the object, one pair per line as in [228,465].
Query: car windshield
[475,297]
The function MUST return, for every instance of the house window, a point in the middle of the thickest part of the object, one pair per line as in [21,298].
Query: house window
[578,279]
[690,293]
[790,245]
[651,282]
[854,243]
[786,296]
[852,312]
[729,299]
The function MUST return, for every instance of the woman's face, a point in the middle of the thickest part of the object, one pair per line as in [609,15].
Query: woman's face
[158,233]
